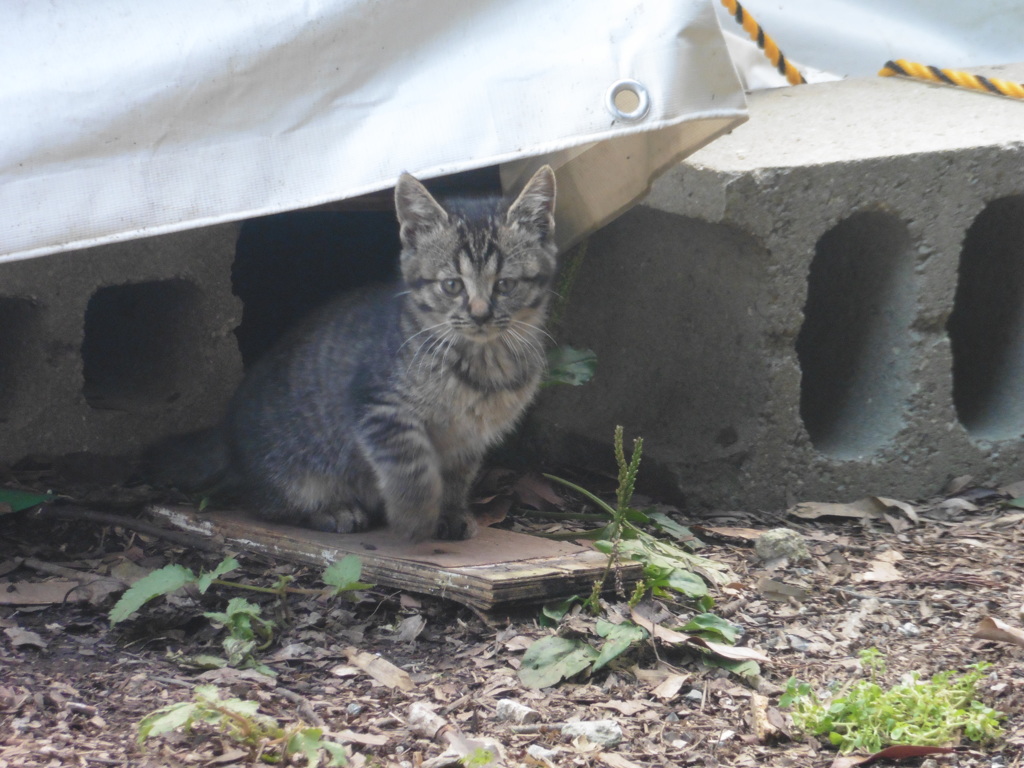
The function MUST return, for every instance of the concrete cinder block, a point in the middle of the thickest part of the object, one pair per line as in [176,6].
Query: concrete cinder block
[825,304]
[105,349]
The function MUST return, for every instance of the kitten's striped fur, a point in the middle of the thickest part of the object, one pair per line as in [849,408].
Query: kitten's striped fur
[382,405]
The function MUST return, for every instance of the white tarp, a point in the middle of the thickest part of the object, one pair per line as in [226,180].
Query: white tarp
[121,119]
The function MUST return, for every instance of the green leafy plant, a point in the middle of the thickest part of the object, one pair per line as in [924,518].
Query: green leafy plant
[667,570]
[918,712]
[567,365]
[340,576]
[12,500]
[248,632]
[242,722]
[667,567]
[617,639]
[553,659]
[478,758]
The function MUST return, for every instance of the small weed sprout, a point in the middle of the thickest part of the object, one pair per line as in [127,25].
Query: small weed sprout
[248,632]
[242,722]
[667,567]
[667,570]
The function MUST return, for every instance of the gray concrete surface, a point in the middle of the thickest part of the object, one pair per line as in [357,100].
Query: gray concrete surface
[825,304]
[104,349]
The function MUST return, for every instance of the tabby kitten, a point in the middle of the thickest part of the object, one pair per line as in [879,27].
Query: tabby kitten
[380,406]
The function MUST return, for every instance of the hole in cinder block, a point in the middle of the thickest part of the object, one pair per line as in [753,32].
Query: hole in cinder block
[986,327]
[19,343]
[853,344]
[289,263]
[139,344]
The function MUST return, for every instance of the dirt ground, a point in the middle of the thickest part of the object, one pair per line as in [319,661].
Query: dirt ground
[914,581]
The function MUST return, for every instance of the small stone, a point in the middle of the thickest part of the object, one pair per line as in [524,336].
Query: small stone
[695,695]
[354,710]
[798,643]
[508,710]
[910,630]
[542,755]
[781,543]
[607,733]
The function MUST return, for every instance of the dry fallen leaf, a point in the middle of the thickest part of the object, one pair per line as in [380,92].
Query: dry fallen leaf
[958,484]
[21,637]
[870,508]
[614,760]
[772,589]
[890,556]
[409,628]
[536,491]
[851,627]
[366,739]
[957,503]
[864,509]
[669,688]
[628,708]
[651,677]
[380,669]
[671,637]
[230,756]
[1013,490]
[907,509]
[991,628]
[881,571]
[729,532]
[899,752]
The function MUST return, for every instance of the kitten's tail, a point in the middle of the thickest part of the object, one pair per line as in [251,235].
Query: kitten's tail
[193,462]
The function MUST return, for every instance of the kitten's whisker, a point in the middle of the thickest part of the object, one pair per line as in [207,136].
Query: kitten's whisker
[427,348]
[536,328]
[530,346]
[448,348]
[424,330]
[442,342]
[427,343]
[511,341]
[516,336]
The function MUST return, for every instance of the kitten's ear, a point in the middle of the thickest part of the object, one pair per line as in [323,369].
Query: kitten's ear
[417,210]
[535,206]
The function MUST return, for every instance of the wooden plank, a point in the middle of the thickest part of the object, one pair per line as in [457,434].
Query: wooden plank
[494,570]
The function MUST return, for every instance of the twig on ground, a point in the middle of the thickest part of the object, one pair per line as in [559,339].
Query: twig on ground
[74,512]
[305,708]
[864,596]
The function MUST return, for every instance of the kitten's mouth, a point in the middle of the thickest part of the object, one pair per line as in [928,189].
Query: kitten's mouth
[481,333]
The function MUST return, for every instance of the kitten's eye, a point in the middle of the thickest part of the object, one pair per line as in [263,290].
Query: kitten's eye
[452,286]
[504,286]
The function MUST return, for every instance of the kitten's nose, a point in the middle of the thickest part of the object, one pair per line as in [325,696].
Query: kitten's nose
[479,310]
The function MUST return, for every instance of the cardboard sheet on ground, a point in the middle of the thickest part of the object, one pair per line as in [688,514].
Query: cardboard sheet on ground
[496,569]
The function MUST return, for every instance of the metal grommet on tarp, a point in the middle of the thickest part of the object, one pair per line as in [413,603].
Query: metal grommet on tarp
[619,93]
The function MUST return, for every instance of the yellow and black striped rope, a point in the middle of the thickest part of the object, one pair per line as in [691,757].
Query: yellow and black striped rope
[953,77]
[765,43]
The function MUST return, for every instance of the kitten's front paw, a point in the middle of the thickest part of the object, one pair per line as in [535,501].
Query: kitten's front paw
[345,520]
[456,526]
